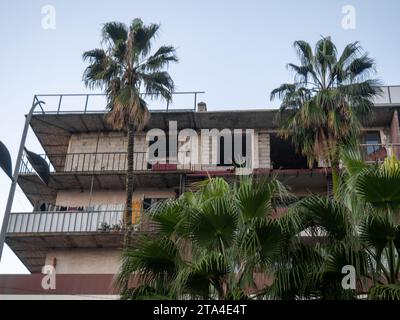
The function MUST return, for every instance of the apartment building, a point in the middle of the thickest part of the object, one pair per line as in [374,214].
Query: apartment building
[75,222]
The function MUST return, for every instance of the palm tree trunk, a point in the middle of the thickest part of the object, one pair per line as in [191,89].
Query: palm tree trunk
[335,172]
[129,196]
[335,179]
[129,179]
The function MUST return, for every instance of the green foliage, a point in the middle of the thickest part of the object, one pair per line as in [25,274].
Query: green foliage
[360,227]
[385,292]
[124,67]
[321,108]
[210,244]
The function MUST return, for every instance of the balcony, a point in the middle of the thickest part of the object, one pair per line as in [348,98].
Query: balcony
[97,103]
[377,153]
[32,234]
[73,222]
[89,162]
[97,171]
[65,221]
[390,96]
[103,162]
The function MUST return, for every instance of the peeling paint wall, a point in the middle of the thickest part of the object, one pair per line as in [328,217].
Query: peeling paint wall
[90,261]
[77,198]
[116,142]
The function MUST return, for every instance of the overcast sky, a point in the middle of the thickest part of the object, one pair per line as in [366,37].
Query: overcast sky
[236,51]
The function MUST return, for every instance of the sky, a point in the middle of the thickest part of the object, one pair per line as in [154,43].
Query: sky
[235,51]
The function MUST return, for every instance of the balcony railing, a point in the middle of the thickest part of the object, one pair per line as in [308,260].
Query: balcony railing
[117,161]
[89,162]
[389,95]
[105,161]
[73,221]
[63,221]
[96,103]
[375,153]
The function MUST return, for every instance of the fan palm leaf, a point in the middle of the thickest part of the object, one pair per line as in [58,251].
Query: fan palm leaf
[320,110]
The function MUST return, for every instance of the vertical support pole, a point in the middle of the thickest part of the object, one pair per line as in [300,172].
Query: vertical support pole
[86,103]
[11,193]
[59,104]
[390,96]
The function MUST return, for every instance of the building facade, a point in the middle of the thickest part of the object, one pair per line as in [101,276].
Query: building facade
[75,224]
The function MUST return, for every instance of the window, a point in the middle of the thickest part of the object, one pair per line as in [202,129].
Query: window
[163,154]
[148,202]
[232,157]
[372,140]
[283,155]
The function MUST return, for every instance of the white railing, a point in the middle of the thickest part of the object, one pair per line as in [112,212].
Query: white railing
[65,221]
[389,95]
[372,153]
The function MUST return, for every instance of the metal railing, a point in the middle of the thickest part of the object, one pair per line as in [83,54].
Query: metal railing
[372,153]
[73,221]
[89,162]
[389,95]
[63,221]
[105,161]
[97,103]
[118,161]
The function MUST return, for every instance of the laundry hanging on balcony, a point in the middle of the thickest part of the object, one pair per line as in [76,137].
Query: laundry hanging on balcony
[39,165]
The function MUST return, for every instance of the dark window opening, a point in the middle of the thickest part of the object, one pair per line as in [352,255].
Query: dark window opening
[372,140]
[284,156]
[235,158]
[165,155]
[148,202]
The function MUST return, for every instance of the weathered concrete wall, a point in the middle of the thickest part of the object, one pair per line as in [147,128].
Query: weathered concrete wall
[110,148]
[260,149]
[78,199]
[81,261]
[395,134]
[264,149]
[116,142]
[101,142]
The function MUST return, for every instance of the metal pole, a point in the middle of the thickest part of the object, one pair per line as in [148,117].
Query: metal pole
[7,212]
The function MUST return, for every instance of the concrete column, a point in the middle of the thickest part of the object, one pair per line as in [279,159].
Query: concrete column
[395,134]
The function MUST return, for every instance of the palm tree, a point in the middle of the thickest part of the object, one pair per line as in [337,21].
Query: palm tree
[124,67]
[210,243]
[327,241]
[359,227]
[378,187]
[321,109]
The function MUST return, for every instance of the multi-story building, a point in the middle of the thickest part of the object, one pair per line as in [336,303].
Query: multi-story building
[75,224]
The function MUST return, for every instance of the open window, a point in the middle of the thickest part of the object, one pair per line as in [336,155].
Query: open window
[238,156]
[284,156]
[163,158]
[372,141]
[371,146]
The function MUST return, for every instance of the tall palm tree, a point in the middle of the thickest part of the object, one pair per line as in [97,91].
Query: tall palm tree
[321,108]
[124,67]
[210,243]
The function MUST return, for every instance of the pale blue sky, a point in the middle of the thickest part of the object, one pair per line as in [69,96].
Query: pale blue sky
[236,51]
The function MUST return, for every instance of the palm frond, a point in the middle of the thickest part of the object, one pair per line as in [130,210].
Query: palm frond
[114,31]
[385,292]
[380,187]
